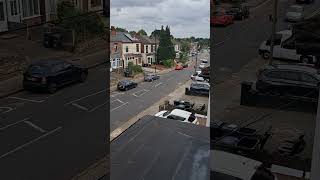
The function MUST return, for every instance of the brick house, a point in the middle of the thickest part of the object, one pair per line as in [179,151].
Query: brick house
[148,50]
[124,49]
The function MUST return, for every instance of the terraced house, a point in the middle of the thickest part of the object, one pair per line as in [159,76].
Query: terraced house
[124,49]
[149,46]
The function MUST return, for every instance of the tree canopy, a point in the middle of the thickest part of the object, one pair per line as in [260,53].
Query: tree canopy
[166,49]
[142,32]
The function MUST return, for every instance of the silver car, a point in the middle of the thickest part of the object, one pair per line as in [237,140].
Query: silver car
[295,13]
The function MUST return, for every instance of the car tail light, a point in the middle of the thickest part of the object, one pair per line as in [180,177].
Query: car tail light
[43,80]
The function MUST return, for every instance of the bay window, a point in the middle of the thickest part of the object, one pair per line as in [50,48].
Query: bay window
[30,8]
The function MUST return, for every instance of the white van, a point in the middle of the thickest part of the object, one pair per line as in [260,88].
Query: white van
[284,48]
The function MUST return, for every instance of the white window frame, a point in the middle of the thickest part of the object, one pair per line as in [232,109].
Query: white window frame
[3,16]
[14,7]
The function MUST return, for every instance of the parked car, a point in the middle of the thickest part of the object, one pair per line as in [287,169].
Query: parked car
[196,77]
[289,79]
[284,48]
[198,88]
[295,13]
[239,12]
[221,19]
[179,67]
[51,74]
[177,114]
[125,85]
[202,65]
[305,1]
[151,77]
[185,65]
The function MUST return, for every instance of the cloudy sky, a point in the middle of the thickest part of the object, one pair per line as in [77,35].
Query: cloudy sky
[185,17]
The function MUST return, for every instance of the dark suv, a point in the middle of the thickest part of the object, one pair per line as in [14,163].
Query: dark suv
[292,80]
[51,74]
[125,85]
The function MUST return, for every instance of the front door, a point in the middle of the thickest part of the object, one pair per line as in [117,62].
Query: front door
[14,14]
[3,17]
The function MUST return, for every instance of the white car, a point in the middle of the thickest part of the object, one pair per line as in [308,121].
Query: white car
[295,13]
[232,166]
[284,48]
[202,65]
[176,114]
[196,77]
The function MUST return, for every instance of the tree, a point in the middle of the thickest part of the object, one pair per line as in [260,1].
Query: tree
[142,32]
[165,50]
[132,32]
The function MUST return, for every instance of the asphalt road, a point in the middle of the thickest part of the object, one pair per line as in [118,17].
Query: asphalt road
[125,105]
[48,137]
[235,45]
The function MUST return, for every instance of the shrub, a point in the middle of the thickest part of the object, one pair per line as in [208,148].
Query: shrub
[136,69]
[168,63]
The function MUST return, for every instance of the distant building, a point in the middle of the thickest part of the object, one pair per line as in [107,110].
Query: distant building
[124,49]
[148,50]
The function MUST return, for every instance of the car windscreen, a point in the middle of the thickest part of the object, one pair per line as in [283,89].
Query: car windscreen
[38,69]
[199,86]
[124,82]
[176,117]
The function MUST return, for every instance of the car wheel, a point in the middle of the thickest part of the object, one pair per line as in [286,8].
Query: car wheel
[52,88]
[126,89]
[266,55]
[305,59]
[83,77]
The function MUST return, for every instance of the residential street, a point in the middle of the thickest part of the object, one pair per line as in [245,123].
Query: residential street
[125,105]
[234,46]
[45,137]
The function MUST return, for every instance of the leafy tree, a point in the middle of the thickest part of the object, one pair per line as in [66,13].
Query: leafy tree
[142,32]
[121,29]
[132,32]
[166,49]
[168,63]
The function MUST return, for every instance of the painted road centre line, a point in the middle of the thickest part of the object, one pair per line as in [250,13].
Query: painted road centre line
[29,100]
[30,142]
[7,126]
[35,126]
[121,102]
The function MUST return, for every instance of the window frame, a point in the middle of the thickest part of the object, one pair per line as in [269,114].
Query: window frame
[2,12]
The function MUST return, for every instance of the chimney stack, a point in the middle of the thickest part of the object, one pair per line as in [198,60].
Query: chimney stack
[113,31]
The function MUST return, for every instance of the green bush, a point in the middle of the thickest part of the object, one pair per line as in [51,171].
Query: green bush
[136,69]
[168,63]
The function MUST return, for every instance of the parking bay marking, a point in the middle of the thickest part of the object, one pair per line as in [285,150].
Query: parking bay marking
[6,109]
[7,126]
[157,84]
[80,107]
[35,126]
[122,104]
[30,142]
[24,99]
[138,94]
[86,96]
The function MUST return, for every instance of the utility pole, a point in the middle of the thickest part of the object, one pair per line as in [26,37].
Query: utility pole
[155,48]
[274,19]
[195,67]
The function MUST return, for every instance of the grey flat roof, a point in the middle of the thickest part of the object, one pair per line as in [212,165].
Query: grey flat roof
[157,149]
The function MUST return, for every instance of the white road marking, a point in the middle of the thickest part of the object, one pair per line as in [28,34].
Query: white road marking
[144,92]
[116,94]
[7,126]
[169,78]
[157,85]
[35,126]
[29,100]
[7,109]
[30,142]
[86,97]
[79,106]
[122,104]
[97,107]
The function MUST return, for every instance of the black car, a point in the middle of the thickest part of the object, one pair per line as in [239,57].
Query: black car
[151,77]
[125,85]
[50,74]
[239,12]
[288,79]
[198,88]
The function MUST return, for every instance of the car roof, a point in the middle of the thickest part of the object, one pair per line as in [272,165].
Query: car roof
[296,67]
[181,113]
[48,62]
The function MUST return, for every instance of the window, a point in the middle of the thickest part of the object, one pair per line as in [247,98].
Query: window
[137,47]
[289,75]
[127,49]
[151,48]
[14,8]
[146,48]
[95,3]
[308,78]
[1,11]
[30,8]
[115,47]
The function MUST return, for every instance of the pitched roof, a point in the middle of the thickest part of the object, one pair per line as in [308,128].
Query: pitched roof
[119,37]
